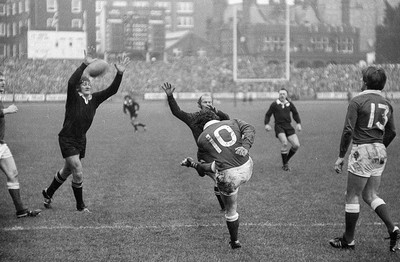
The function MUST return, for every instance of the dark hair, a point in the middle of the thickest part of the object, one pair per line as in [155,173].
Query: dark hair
[374,78]
[284,89]
[83,79]
[204,116]
[127,97]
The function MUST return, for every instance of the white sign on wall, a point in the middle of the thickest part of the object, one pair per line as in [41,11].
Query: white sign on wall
[56,44]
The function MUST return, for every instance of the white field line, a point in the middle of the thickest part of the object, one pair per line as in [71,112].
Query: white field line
[174,226]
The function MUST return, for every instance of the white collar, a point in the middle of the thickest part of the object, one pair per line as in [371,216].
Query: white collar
[371,91]
[209,123]
[84,97]
[286,103]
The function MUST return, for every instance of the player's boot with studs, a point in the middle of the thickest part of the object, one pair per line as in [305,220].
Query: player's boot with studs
[47,199]
[235,244]
[340,242]
[28,213]
[394,239]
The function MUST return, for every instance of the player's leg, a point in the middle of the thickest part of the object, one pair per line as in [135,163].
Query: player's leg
[133,122]
[370,196]
[59,178]
[75,165]
[232,218]
[294,141]
[8,166]
[355,186]
[284,150]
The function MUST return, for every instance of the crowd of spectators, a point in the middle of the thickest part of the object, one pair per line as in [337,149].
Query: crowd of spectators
[193,74]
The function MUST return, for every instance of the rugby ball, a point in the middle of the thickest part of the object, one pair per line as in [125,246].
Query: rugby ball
[97,68]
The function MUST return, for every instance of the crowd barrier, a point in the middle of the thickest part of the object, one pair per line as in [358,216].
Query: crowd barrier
[192,96]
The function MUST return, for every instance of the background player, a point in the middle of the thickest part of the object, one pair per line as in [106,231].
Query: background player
[131,106]
[205,102]
[224,145]
[7,163]
[369,123]
[80,109]
[284,131]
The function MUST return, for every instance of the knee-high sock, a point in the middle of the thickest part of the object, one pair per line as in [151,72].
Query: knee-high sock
[284,158]
[351,217]
[218,195]
[381,210]
[55,184]
[233,226]
[291,153]
[13,189]
[78,193]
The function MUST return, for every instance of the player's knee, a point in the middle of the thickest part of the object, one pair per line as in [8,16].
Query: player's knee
[12,176]
[231,216]
[295,146]
[77,177]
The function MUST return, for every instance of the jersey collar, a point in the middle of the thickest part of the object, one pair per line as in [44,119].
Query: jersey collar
[209,123]
[286,103]
[84,97]
[371,91]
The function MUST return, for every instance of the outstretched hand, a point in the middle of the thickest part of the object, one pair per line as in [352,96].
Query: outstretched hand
[168,89]
[123,62]
[88,58]
[241,151]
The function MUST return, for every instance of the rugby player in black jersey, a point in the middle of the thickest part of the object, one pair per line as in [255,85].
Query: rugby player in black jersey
[80,109]
[205,102]
[131,106]
[369,125]
[7,162]
[284,131]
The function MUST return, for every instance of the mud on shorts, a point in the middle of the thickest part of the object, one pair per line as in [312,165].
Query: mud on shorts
[229,180]
[367,160]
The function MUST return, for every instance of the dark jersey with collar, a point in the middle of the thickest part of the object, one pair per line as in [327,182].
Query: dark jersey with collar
[79,111]
[281,112]
[369,119]
[190,118]
[131,106]
[219,140]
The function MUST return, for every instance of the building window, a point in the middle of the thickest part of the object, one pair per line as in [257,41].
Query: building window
[165,5]
[98,20]
[20,7]
[49,22]
[14,8]
[15,29]
[320,43]
[76,23]
[2,50]
[345,45]
[26,5]
[2,29]
[76,6]
[185,21]
[140,4]
[99,6]
[184,7]
[9,30]
[2,9]
[51,6]
[119,3]
[98,35]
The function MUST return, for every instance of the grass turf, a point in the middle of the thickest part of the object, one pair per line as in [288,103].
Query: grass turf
[145,207]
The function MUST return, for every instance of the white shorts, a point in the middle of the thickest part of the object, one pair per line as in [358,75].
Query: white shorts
[229,180]
[367,160]
[4,151]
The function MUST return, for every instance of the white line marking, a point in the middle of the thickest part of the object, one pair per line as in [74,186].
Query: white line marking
[117,227]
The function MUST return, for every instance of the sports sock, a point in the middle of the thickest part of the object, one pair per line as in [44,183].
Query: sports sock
[381,210]
[218,195]
[78,193]
[16,197]
[55,184]
[290,154]
[351,218]
[284,158]
[233,227]
[135,126]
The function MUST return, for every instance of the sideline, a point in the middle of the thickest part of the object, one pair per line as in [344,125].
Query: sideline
[122,227]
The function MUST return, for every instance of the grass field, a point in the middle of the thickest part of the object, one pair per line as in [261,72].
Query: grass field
[146,207]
